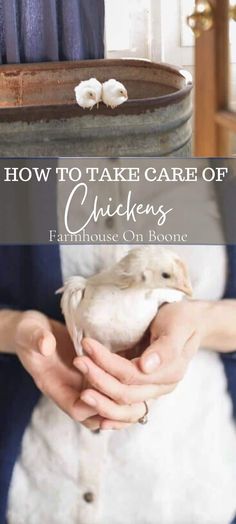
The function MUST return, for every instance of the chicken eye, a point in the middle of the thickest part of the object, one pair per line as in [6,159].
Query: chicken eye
[91,95]
[122,93]
[166,275]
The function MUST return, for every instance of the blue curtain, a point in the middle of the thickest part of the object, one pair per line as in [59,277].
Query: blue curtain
[51,30]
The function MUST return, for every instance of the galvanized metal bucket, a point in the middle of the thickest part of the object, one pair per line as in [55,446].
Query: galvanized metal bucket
[155,121]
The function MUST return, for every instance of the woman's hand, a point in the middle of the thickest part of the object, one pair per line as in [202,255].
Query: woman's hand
[121,386]
[46,351]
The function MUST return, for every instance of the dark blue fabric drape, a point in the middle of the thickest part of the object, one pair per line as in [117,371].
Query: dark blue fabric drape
[51,30]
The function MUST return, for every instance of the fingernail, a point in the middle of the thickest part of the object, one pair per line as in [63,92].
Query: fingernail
[151,363]
[80,364]
[89,400]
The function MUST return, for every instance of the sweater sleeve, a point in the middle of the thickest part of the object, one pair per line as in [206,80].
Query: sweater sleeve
[29,276]
[229,359]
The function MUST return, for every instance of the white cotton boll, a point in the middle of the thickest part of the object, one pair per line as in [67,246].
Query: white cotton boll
[114,93]
[88,93]
[116,306]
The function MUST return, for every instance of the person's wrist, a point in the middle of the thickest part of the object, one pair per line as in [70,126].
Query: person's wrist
[203,312]
[197,314]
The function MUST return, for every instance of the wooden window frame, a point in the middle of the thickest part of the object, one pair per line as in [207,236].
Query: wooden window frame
[213,119]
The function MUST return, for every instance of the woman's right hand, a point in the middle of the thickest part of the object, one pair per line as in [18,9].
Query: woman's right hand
[45,349]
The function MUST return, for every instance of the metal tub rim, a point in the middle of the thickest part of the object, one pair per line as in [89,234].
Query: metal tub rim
[65,75]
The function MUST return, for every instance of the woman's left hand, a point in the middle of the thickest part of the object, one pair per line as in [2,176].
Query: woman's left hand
[121,386]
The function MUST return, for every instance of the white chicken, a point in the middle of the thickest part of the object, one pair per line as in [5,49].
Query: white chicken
[88,93]
[114,93]
[117,305]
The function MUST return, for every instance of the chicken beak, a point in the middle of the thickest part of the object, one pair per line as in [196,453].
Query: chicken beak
[186,288]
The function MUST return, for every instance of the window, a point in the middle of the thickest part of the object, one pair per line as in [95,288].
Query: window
[128,28]
[152,29]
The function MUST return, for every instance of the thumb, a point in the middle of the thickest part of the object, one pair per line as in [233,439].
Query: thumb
[150,360]
[34,335]
[164,350]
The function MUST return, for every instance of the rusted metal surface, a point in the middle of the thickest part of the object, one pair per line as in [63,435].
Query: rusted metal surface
[52,84]
[39,99]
